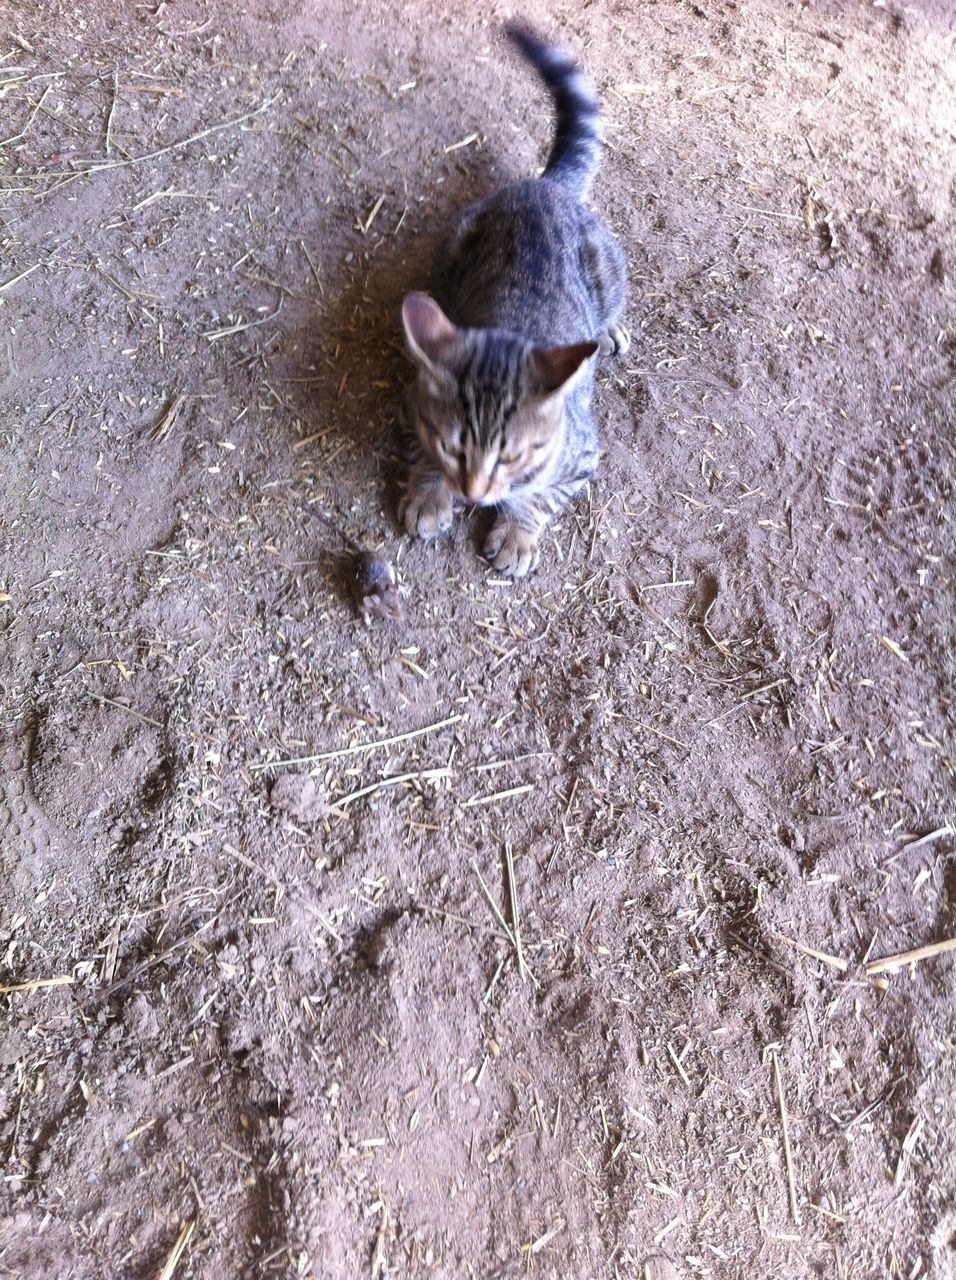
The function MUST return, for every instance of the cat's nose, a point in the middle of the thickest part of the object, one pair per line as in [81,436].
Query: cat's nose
[476,487]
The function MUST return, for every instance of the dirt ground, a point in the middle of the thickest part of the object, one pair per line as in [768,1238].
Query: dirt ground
[266,1016]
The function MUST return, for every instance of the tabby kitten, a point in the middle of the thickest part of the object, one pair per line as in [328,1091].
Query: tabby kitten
[529,288]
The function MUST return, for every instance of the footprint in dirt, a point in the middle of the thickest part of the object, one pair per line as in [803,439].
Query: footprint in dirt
[77,795]
[880,486]
[32,849]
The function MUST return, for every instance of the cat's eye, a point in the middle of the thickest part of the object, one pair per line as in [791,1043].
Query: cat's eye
[454,455]
[508,459]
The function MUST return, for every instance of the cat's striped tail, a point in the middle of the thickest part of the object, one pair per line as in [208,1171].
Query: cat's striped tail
[576,151]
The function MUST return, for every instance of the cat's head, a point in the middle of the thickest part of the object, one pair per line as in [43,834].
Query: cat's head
[489,405]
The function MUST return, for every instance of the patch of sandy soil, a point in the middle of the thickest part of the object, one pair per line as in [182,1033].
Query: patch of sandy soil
[263,1013]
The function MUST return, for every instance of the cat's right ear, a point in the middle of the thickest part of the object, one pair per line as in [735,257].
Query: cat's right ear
[431,336]
[555,367]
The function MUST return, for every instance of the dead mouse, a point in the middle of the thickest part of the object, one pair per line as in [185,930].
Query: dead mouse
[374,589]
[372,582]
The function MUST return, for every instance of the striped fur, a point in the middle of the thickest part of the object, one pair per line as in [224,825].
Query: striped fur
[528,290]
[576,150]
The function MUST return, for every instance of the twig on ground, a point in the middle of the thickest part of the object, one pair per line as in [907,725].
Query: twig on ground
[177,1251]
[109,119]
[167,419]
[887,963]
[8,284]
[833,961]
[509,932]
[787,1153]
[497,795]
[63,980]
[216,335]
[33,115]
[364,746]
[425,775]
[121,706]
[930,838]
[513,899]
[748,697]
[172,146]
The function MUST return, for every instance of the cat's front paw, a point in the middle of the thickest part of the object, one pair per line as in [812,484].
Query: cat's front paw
[511,548]
[427,511]
[614,341]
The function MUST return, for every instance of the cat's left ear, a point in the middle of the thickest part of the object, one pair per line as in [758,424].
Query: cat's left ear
[431,336]
[556,367]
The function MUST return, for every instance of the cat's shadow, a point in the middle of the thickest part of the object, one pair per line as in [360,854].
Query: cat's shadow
[350,365]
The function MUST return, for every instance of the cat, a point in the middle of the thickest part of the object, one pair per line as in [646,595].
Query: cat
[529,288]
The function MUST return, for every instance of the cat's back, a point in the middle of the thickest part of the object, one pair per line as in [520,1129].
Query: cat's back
[519,260]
